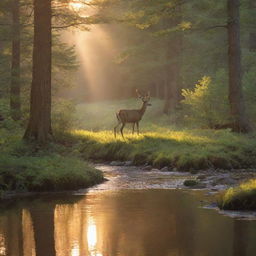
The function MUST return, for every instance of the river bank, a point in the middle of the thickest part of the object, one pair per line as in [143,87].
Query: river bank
[183,150]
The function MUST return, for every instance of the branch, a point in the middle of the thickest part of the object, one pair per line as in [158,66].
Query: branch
[216,26]
[69,25]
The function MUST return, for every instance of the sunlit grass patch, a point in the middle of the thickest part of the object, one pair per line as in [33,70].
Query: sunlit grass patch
[242,197]
[184,149]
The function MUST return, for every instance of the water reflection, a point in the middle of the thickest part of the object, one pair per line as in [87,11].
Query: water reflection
[123,223]
[2,245]
[28,234]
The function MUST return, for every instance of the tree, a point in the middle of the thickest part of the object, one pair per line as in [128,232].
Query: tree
[236,100]
[39,126]
[15,105]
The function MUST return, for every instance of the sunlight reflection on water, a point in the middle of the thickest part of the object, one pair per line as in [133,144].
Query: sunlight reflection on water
[92,238]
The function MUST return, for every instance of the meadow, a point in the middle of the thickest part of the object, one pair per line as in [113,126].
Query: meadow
[161,141]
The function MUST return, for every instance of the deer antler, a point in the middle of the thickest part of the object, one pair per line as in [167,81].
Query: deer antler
[138,93]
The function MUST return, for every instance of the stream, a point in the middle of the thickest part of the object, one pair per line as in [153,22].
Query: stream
[134,213]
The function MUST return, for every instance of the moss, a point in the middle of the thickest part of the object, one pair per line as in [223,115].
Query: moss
[190,183]
[242,197]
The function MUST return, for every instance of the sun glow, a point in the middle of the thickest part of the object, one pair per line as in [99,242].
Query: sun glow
[92,238]
[78,5]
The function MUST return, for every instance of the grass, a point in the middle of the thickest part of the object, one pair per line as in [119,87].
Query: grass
[242,197]
[46,173]
[161,142]
[30,168]
[184,150]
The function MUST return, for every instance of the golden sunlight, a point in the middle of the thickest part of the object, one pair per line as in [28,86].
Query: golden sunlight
[77,5]
[92,236]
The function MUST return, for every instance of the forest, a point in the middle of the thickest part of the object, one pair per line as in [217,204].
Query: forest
[95,89]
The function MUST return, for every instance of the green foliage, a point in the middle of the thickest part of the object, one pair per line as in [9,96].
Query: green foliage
[207,103]
[242,197]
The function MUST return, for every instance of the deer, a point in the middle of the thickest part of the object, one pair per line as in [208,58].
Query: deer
[132,116]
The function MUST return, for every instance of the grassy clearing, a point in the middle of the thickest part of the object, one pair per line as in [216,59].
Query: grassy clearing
[25,167]
[185,150]
[242,197]
[161,144]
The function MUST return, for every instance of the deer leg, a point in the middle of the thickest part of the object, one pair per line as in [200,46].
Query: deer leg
[121,130]
[133,128]
[116,128]
[138,131]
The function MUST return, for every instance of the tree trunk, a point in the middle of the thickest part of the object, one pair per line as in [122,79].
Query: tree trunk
[39,127]
[240,121]
[15,105]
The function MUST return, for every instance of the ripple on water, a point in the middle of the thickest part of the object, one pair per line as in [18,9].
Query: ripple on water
[134,178]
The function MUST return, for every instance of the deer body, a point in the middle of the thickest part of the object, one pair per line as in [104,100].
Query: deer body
[132,115]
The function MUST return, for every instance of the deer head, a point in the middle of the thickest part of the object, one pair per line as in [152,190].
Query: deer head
[144,97]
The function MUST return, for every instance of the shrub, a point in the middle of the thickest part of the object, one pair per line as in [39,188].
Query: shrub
[207,104]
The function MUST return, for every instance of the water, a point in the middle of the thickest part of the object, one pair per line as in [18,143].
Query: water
[134,214]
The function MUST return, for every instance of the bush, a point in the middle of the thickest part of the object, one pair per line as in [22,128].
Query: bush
[242,197]
[207,104]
